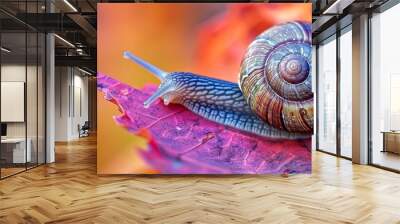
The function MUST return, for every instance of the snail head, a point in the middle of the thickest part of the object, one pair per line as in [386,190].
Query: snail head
[168,88]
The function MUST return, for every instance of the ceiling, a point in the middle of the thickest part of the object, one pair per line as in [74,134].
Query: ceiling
[329,16]
[75,22]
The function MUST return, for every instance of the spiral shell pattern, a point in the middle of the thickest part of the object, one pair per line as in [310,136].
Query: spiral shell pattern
[275,77]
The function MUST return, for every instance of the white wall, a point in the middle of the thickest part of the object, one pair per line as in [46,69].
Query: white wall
[16,73]
[71,102]
[33,127]
[80,110]
[61,114]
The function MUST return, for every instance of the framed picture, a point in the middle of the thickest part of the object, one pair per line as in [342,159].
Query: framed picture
[204,88]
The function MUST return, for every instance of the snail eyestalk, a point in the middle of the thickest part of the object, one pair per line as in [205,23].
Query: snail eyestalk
[162,90]
[149,67]
[165,86]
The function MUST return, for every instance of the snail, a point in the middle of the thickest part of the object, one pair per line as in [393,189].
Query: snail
[273,98]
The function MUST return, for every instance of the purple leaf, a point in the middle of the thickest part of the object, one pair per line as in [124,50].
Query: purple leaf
[182,142]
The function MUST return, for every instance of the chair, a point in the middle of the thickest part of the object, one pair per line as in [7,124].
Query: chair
[84,130]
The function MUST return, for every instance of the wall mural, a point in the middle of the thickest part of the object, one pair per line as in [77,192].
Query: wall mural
[204,88]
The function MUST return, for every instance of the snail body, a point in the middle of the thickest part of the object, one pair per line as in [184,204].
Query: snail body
[273,97]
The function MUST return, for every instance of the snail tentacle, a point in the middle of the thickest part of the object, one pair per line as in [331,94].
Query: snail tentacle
[165,87]
[151,68]
[162,90]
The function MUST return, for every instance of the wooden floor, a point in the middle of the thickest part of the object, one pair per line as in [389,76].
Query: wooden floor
[387,159]
[69,191]
[5,172]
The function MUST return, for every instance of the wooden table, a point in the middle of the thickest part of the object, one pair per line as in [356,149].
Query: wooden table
[17,148]
[391,141]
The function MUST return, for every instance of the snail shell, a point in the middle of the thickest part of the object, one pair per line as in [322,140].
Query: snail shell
[275,77]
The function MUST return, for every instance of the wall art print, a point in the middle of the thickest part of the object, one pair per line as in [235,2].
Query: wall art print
[204,88]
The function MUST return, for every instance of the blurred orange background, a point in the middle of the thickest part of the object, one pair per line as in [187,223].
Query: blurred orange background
[208,39]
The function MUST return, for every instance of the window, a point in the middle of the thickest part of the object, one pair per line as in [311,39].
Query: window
[346,93]
[385,89]
[314,89]
[22,88]
[327,96]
